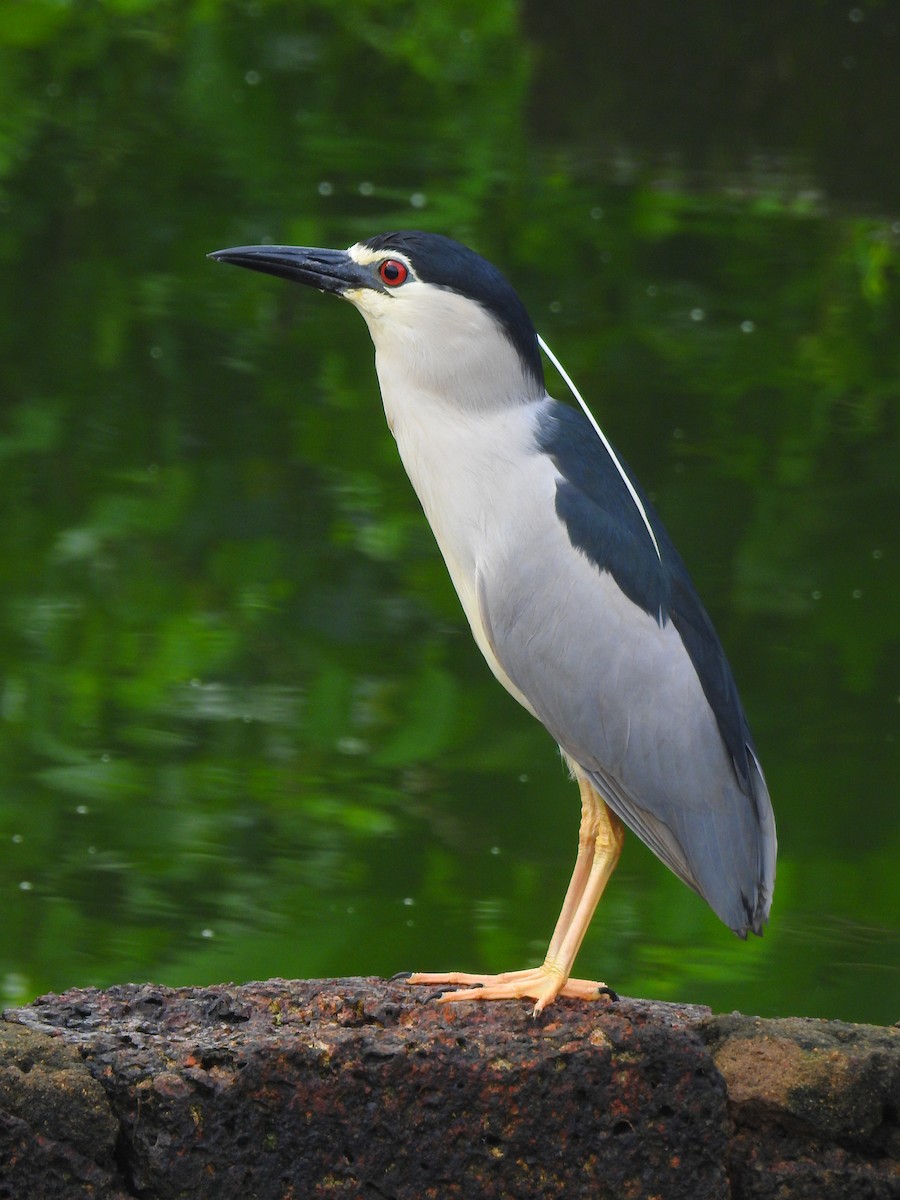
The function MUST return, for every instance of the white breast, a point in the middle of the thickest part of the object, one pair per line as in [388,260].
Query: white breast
[472,472]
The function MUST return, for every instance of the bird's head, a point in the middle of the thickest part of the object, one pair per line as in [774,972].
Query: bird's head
[445,322]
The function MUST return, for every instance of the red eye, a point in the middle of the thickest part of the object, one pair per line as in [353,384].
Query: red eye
[393,272]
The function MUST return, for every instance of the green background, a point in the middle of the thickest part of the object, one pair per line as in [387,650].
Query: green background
[245,731]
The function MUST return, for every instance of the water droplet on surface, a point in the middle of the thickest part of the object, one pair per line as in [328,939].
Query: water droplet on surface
[352,745]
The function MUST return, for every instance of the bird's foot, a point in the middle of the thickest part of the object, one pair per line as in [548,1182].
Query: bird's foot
[542,984]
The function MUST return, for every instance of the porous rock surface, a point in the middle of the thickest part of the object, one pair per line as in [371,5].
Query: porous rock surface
[363,1088]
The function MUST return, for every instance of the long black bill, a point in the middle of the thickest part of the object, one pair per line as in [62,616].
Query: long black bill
[328,270]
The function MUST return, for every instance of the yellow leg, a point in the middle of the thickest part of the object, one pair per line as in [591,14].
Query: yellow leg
[592,811]
[600,841]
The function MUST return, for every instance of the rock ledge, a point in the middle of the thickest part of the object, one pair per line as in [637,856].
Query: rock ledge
[358,1087]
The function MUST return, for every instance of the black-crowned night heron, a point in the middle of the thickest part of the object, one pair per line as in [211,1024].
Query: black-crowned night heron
[575,594]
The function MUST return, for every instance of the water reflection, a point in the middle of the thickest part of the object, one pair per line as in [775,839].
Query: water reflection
[243,722]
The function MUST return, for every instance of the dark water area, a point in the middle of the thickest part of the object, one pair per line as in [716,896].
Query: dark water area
[245,731]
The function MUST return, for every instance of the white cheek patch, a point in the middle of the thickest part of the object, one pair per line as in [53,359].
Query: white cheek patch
[371,304]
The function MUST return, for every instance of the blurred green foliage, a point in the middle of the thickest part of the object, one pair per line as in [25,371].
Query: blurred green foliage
[244,730]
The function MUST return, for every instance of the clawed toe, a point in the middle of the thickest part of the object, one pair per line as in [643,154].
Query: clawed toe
[540,984]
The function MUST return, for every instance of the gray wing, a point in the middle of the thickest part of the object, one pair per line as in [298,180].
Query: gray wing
[612,679]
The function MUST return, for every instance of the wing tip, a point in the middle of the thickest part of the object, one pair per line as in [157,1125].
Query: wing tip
[756,912]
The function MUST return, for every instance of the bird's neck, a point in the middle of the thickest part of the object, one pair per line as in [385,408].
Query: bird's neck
[461,461]
[461,364]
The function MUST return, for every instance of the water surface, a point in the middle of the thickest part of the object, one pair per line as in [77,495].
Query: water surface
[245,730]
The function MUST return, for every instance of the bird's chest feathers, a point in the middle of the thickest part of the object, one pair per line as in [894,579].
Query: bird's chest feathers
[464,464]
[450,464]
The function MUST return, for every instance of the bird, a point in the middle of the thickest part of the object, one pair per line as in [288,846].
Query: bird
[574,591]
